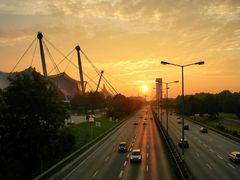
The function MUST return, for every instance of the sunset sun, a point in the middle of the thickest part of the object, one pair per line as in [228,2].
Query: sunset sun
[144,88]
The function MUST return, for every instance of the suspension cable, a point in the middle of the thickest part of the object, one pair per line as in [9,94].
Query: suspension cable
[34,52]
[23,55]
[68,62]
[51,58]
[65,57]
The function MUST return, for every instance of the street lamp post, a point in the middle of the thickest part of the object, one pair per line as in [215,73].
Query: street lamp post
[182,67]
[167,83]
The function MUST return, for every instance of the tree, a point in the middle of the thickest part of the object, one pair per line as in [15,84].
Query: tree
[211,106]
[31,115]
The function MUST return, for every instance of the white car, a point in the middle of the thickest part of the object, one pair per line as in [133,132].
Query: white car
[234,156]
[136,155]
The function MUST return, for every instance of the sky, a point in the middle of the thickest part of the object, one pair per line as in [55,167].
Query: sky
[128,39]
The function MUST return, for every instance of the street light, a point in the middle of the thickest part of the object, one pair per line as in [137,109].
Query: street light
[182,66]
[167,83]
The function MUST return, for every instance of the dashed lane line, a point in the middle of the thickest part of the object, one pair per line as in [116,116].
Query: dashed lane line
[220,157]
[147,168]
[120,175]
[125,163]
[231,165]
[208,166]
[211,150]
[94,175]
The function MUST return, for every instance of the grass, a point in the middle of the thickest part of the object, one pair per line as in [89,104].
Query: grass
[83,133]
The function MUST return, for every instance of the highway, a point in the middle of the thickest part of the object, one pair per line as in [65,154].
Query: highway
[103,161]
[207,154]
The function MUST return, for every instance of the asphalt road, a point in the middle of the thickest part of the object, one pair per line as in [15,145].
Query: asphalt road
[106,163]
[206,156]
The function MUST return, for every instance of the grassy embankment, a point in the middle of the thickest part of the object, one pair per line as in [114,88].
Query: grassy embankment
[83,134]
[227,123]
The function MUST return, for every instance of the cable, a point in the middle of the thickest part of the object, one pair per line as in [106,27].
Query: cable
[34,53]
[65,57]
[50,56]
[23,54]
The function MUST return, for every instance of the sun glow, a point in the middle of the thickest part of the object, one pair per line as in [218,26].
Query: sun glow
[144,88]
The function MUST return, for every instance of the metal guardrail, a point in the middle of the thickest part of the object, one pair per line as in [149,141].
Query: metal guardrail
[181,170]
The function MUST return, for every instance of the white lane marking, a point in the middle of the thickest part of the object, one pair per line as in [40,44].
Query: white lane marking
[209,166]
[204,145]
[125,163]
[130,149]
[128,155]
[231,165]
[106,159]
[148,146]
[147,168]
[219,156]
[120,175]
[147,155]
[211,150]
[95,174]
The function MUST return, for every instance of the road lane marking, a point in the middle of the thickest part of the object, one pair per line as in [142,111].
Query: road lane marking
[147,168]
[95,174]
[130,149]
[128,155]
[231,165]
[219,156]
[147,155]
[120,175]
[211,150]
[204,145]
[106,159]
[125,163]
[209,166]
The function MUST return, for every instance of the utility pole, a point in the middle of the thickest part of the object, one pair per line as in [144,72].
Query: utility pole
[80,68]
[40,36]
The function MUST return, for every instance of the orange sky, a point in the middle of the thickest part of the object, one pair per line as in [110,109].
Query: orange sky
[128,39]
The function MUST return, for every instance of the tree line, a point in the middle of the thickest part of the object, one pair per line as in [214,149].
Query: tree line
[211,104]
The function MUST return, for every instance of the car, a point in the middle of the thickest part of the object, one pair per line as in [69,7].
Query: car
[234,156]
[186,127]
[179,122]
[184,143]
[135,123]
[136,156]
[203,130]
[122,147]
[144,122]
